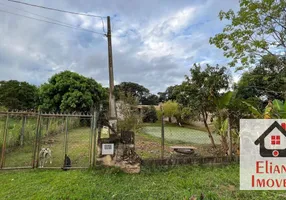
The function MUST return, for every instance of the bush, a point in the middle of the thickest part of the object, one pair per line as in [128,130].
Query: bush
[130,119]
[3,109]
[150,114]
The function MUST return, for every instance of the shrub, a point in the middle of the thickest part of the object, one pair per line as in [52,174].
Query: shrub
[150,114]
[130,119]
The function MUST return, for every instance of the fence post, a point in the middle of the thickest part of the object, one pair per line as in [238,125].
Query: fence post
[91,140]
[36,142]
[39,141]
[22,130]
[4,142]
[162,135]
[95,113]
[65,141]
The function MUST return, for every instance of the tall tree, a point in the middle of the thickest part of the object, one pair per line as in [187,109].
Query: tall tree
[162,96]
[258,28]
[68,91]
[134,89]
[266,81]
[151,99]
[172,92]
[18,95]
[200,89]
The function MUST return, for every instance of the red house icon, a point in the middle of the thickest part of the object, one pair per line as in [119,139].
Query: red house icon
[275,140]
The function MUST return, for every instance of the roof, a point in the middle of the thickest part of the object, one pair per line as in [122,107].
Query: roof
[273,126]
[157,107]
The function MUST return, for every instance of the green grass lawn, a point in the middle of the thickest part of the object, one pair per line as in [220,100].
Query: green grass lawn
[78,149]
[148,140]
[162,183]
[180,134]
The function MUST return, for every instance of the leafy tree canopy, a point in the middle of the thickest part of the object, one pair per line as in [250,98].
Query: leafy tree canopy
[199,91]
[171,108]
[170,93]
[149,114]
[151,99]
[68,91]
[258,28]
[17,95]
[162,96]
[134,89]
[267,80]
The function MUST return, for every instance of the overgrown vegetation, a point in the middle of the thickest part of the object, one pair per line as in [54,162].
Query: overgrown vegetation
[49,126]
[129,119]
[78,148]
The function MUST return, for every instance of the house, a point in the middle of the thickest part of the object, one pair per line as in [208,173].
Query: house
[273,141]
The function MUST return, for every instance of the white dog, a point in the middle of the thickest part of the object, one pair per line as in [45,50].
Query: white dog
[45,155]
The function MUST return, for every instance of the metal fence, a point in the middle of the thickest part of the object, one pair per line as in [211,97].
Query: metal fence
[167,141]
[47,140]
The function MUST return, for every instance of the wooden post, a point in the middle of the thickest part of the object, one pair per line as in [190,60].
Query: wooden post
[39,143]
[48,126]
[22,130]
[36,141]
[4,143]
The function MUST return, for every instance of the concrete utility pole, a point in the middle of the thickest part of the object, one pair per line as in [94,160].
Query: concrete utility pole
[112,104]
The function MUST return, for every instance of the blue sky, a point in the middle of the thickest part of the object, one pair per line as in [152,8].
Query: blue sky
[155,43]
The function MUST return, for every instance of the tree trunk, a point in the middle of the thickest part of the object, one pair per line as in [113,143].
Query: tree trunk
[224,140]
[224,144]
[229,136]
[48,126]
[207,127]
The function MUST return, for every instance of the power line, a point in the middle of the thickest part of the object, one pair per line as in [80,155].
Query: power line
[55,23]
[70,12]
[55,9]
[54,20]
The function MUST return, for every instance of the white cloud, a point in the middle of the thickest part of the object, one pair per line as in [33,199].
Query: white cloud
[154,42]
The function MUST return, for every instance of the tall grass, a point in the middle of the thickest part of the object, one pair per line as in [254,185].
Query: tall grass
[48,126]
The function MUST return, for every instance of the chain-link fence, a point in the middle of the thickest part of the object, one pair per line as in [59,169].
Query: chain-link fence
[166,140]
[43,140]
[18,140]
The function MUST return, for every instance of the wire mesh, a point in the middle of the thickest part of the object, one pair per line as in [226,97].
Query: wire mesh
[44,140]
[79,141]
[2,131]
[178,141]
[51,147]
[20,141]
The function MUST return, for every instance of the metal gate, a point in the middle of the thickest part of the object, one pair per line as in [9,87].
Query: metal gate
[47,140]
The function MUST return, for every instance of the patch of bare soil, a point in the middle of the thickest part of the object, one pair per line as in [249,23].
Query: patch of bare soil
[149,148]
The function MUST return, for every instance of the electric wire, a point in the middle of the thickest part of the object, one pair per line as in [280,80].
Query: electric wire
[50,22]
[55,9]
[54,20]
[59,10]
